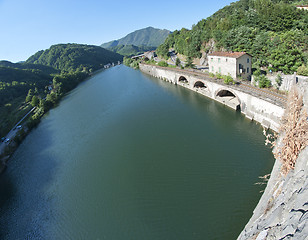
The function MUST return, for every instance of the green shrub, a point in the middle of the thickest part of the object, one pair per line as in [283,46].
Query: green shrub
[152,61]
[163,64]
[302,70]
[219,76]
[263,81]
[135,65]
[189,63]
[278,80]
[212,75]
[228,79]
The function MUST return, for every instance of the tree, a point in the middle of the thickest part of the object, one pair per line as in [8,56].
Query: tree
[228,79]
[240,39]
[263,81]
[287,55]
[163,50]
[163,64]
[189,63]
[278,80]
[29,96]
[302,70]
[35,101]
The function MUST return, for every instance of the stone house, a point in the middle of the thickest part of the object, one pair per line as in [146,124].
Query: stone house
[236,64]
[150,54]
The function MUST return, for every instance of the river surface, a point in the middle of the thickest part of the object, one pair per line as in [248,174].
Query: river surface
[127,156]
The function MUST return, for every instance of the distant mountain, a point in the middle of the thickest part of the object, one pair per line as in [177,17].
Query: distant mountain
[129,50]
[71,57]
[149,36]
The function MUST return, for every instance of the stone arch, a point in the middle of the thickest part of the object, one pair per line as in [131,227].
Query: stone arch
[228,97]
[183,79]
[200,84]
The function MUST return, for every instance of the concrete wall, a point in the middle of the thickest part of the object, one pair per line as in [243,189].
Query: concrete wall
[254,108]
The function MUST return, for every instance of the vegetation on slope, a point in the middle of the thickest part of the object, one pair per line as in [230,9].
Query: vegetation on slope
[74,57]
[130,50]
[44,78]
[15,82]
[151,37]
[275,32]
[295,129]
[133,63]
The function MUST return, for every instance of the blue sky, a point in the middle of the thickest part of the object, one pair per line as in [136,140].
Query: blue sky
[28,26]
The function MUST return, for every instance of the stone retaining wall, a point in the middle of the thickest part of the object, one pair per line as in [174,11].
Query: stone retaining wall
[252,106]
[282,212]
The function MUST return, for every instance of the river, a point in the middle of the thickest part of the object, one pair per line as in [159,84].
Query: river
[127,156]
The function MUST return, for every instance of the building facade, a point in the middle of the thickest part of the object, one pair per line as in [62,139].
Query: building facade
[305,7]
[236,64]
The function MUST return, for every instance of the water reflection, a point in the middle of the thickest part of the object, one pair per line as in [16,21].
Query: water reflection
[125,156]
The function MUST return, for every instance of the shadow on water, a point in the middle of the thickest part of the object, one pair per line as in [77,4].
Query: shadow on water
[24,202]
[7,190]
[221,115]
[125,175]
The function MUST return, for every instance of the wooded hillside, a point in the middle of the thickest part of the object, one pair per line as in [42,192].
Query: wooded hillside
[71,57]
[275,32]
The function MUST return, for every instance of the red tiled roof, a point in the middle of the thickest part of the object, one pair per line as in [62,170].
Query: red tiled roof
[228,54]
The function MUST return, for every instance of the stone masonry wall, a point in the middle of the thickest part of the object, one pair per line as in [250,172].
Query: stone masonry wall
[253,107]
[282,212]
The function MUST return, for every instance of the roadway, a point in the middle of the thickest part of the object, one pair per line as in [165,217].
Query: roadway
[12,133]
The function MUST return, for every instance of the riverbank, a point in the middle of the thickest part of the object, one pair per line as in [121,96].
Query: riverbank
[283,208]
[259,105]
[30,123]
[145,158]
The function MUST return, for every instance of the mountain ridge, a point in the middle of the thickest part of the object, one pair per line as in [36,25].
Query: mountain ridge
[74,56]
[151,37]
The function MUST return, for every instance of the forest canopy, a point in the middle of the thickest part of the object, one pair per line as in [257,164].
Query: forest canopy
[72,57]
[45,77]
[275,32]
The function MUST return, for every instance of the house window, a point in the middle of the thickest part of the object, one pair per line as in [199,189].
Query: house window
[219,70]
[212,69]
[240,66]
[247,60]
[226,59]
[248,70]
[219,60]
[211,59]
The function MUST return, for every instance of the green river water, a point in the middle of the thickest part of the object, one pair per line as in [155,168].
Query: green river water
[127,156]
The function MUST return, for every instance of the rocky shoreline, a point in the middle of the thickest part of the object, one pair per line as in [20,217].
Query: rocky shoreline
[282,212]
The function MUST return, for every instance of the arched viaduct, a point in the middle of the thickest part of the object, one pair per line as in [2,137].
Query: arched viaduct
[252,106]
